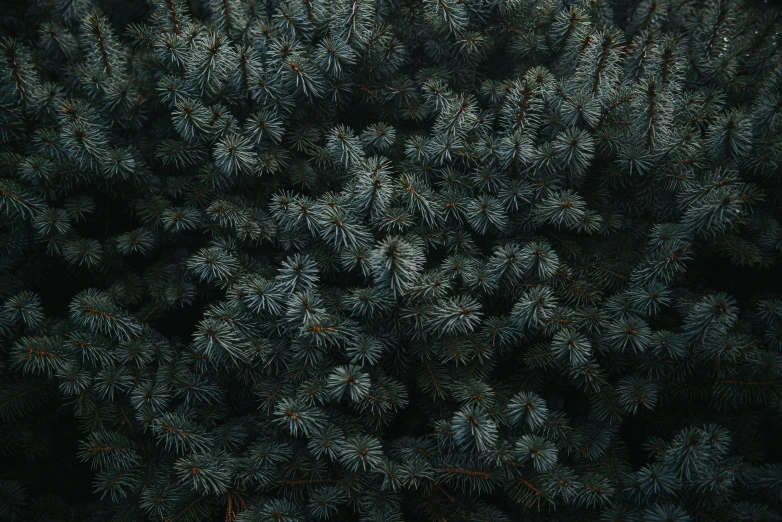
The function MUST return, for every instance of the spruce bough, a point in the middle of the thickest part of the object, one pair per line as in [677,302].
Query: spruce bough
[386,260]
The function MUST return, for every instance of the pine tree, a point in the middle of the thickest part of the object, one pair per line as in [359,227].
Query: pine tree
[385,260]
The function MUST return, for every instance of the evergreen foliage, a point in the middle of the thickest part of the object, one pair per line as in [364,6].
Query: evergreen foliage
[384,260]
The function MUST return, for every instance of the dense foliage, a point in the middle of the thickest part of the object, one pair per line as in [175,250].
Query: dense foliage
[384,260]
